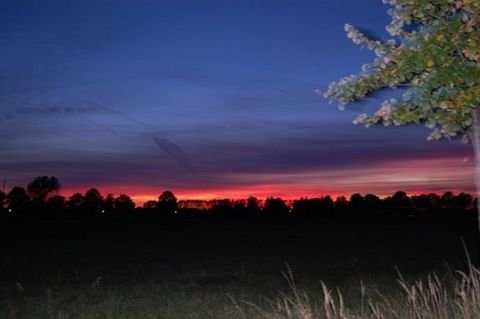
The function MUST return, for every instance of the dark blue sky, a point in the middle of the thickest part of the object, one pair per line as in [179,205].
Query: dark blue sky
[206,98]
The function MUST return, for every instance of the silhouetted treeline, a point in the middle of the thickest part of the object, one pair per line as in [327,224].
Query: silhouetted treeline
[40,199]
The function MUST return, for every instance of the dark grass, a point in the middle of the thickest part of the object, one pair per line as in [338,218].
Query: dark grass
[192,267]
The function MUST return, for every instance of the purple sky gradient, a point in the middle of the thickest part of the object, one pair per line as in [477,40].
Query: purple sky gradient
[206,98]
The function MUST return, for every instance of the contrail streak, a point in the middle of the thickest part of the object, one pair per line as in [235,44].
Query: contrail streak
[166,145]
[102,126]
[174,151]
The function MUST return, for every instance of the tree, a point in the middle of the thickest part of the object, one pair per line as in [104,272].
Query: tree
[75,204]
[275,207]
[400,203]
[313,207]
[252,206]
[423,203]
[357,203]
[56,205]
[17,200]
[108,203]
[93,201]
[167,203]
[373,205]
[341,204]
[42,186]
[435,58]
[76,200]
[446,200]
[151,204]
[124,204]
[462,201]
[221,207]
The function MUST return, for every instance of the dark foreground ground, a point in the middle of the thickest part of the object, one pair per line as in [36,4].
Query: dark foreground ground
[198,265]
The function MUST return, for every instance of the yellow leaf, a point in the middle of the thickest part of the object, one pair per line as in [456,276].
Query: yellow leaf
[430,63]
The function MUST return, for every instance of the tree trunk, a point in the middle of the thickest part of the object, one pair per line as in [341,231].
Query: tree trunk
[476,150]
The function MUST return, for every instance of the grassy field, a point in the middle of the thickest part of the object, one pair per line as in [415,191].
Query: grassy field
[208,268]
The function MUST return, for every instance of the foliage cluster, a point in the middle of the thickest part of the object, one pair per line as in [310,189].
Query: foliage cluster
[434,54]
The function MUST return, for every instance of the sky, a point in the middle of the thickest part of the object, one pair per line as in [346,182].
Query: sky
[208,99]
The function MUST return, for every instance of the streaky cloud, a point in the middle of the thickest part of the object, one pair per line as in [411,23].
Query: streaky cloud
[170,148]
[44,111]
[173,151]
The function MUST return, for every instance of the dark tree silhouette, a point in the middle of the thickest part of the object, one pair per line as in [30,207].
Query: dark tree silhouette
[423,204]
[75,205]
[239,208]
[18,200]
[124,204]
[76,201]
[108,204]
[327,206]
[221,207]
[56,205]
[314,207]
[151,204]
[39,198]
[434,200]
[446,200]
[372,205]
[252,206]
[167,203]
[341,204]
[275,207]
[400,204]
[93,201]
[463,202]
[356,204]
[42,186]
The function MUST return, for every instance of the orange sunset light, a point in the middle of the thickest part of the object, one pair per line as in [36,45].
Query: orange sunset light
[412,176]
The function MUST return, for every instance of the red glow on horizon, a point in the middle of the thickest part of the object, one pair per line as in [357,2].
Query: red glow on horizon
[143,194]
[146,194]
[419,176]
